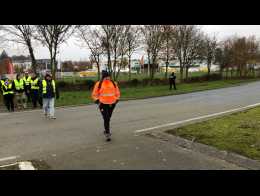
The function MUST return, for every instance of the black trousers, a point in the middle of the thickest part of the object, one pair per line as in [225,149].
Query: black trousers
[28,95]
[36,98]
[9,102]
[174,85]
[106,111]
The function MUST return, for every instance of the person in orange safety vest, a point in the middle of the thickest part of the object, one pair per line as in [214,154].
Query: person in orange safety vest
[106,94]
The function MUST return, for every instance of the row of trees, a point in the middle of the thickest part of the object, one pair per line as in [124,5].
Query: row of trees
[239,55]
[187,43]
[117,43]
[50,36]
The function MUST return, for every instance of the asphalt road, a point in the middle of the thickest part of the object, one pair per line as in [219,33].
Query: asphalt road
[75,141]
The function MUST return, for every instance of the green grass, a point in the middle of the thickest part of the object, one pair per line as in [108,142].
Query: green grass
[239,133]
[84,97]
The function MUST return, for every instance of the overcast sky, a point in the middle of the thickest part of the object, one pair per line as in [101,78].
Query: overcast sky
[72,51]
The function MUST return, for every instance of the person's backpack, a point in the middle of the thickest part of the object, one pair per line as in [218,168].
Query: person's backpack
[100,84]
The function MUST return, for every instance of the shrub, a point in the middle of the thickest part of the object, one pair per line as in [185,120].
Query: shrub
[205,77]
[134,82]
[90,84]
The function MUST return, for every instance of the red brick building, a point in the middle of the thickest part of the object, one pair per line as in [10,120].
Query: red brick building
[6,65]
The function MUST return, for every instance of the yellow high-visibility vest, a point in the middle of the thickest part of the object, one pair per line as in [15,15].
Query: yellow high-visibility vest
[19,84]
[27,81]
[34,84]
[8,87]
[44,86]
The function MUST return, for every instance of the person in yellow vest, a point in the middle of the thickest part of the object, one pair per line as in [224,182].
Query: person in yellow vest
[27,79]
[19,87]
[49,91]
[35,90]
[8,93]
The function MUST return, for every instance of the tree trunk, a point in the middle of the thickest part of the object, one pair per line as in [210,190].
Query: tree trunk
[51,55]
[114,67]
[98,67]
[187,72]
[109,62]
[167,58]
[34,64]
[129,67]
[149,64]
[209,67]
[54,63]
[181,71]
[166,72]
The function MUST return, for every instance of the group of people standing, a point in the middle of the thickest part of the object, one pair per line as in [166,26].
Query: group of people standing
[30,89]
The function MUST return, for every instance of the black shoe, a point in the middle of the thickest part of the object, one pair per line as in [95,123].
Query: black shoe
[108,136]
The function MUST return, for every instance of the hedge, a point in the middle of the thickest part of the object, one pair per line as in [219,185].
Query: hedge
[89,84]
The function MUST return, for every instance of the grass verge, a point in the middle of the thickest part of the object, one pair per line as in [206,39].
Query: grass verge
[238,133]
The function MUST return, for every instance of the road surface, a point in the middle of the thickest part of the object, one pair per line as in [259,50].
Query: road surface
[75,141]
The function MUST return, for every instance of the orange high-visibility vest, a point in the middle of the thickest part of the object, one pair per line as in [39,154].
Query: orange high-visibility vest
[107,93]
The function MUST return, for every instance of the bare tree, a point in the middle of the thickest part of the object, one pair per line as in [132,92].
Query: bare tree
[187,43]
[53,36]
[132,41]
[113,41]
[210,45]
[107,32]
[167,49]
[153,38]
[91,37]
[122,50]
[22,34]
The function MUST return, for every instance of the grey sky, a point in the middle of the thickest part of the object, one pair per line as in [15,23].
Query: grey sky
[72,51]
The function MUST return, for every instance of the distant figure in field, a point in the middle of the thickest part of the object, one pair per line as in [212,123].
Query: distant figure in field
[172,79]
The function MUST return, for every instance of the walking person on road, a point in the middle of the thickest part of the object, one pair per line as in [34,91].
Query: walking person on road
[19,87]
[27,80]
[8,93]
[49,91]
[172,79]
[35,90]
[106,94]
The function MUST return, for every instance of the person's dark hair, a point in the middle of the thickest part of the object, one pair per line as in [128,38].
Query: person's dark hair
[104,74]
[47,75]
[17,75]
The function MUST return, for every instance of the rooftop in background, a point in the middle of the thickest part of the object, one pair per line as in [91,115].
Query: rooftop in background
[4,55]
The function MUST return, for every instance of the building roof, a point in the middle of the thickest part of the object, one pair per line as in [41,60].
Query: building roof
[4,55]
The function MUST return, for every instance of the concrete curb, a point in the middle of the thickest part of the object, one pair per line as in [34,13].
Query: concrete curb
[209,150]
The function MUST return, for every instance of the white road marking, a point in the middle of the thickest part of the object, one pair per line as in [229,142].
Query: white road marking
[26,166]
[8,158]
[198,118]
[8,165]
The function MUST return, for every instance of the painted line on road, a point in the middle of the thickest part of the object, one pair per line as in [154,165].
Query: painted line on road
[26,166]
[9,158]
[198,118]
[8,165]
